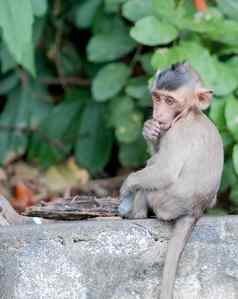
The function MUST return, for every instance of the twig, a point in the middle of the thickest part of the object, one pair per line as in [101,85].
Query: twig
[65,81]
[57,7]
[23,76]
[58,41]
[134,58]
[26,129]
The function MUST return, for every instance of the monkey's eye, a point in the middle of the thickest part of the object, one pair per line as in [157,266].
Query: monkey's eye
[169,101]
[155,96]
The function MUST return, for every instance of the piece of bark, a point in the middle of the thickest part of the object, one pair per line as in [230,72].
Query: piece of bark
[77,208]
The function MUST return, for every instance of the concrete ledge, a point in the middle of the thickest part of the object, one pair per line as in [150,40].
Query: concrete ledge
[103,260]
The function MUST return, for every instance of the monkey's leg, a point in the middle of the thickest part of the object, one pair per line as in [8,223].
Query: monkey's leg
[140,206]
[134,206]
[126,204]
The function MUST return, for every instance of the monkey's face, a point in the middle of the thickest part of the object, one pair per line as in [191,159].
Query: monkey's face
[165,108]
[176,90]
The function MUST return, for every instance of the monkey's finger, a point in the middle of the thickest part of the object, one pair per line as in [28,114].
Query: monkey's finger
[147,131]
[148,126]
[157,126]
[157,130]
[154,137]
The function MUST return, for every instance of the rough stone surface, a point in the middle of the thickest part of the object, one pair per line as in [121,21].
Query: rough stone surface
[103,259]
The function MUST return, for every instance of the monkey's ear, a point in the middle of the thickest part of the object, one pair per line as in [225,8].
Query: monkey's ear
[204,98]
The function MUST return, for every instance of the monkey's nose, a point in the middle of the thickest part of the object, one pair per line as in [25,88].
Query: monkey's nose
[160,122]
[157,119]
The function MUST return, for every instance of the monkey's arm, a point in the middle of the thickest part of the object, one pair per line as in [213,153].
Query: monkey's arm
[153,147]
[163,172]
[151,133]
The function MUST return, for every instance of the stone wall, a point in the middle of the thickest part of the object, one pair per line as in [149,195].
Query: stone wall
[106,259]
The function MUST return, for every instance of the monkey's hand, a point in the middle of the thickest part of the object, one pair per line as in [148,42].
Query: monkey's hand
[128,186]
[151,131]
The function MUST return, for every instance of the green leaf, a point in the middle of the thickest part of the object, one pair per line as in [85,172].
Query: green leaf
[231,115]
[178,13]
[212,25]
[133,154]
[70,60]
[109,81]
[226,32]
[8,83]
[94,143]
[39,28]
[109,46]
[39,7]
[145,61]
[77,94]
[228,50]
[228,140]
[152,32]
[134,10]
[234,195]
[40,104]
[25,108]
[194,53]
[103,23]
[113,5]
[215,74]
[130,127]
[225,81]
[229,8]
[229,177]
[7,61]
[164,8]
[13,124]
[138,88]
[120,108]
[51,141]
[232,64]
[217,113]
[16,19]
[235,158]
[85,13]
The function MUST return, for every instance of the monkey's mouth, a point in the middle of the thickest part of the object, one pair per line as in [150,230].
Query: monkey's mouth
[162,123]
[165,125]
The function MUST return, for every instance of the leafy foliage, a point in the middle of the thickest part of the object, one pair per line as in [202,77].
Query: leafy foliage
[109,81]
[18,34]
[92,61]
[152,32]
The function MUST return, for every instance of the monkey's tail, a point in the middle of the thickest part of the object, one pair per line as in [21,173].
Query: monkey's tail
[181,233]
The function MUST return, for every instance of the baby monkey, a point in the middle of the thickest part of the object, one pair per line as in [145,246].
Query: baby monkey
[182,177]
